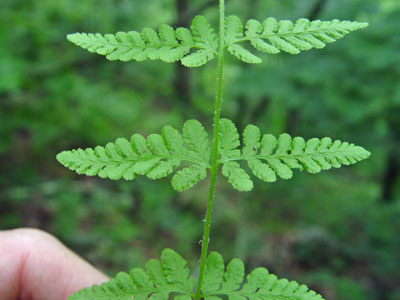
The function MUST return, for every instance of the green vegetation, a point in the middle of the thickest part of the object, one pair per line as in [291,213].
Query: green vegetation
[171,276]
[159,155]
[336,232]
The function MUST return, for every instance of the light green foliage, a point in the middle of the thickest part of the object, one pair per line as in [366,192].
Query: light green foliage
[274,36]
[156,157]
[269,157]
[172,45]
[259,284]
[205,39]
[169,44]
[171,277]
[239,179]
[158,281]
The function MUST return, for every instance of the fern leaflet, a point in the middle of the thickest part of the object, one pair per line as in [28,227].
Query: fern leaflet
[269,157]
[274,36]
[156,157]
[168,45]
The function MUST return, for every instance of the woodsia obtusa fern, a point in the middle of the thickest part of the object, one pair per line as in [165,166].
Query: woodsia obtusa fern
[159,155]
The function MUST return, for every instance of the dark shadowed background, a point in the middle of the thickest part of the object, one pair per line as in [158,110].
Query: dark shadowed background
[337,231]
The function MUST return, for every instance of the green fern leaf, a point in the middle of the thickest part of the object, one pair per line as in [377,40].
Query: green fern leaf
[233,29]
[233,33]
[260,284]
[233,276]
[188,177]
[198,58]
[269,157]
[170,279]
[156,157]
[213,273]
[274,36]
[253,28]
[158,281]
[197,140]
[243,54]
[174,141]
[205,39]
[168,45]
[228,144]
[204,35]
[239,179]
[229,139]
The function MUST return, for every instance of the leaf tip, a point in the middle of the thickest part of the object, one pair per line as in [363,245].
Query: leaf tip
[72,37]
[364,153]
[363,25]
[62,157]
[168,252]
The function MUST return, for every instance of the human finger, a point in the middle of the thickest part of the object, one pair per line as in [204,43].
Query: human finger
[34,265]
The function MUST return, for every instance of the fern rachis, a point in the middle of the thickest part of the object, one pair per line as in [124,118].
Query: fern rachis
[160,155]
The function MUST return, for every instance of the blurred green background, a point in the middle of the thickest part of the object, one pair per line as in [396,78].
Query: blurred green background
[337,232]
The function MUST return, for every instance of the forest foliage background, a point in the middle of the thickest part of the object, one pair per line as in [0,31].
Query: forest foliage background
[337,232]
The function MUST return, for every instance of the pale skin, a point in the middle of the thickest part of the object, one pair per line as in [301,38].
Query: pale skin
[36,266]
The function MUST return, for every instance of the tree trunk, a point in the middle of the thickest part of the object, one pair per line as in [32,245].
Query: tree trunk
[391,175]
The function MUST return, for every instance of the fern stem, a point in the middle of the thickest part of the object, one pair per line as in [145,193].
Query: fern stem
[214,164]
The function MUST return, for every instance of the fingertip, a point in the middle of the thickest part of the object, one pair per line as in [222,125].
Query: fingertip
[41,266]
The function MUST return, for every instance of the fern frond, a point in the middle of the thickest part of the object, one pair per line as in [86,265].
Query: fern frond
[159,280]
[156,157]
[259,284]
[168,45]
[274,36]
[170,279]
[269,157]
